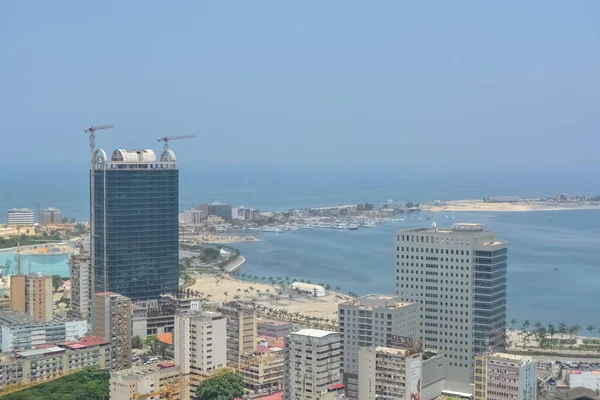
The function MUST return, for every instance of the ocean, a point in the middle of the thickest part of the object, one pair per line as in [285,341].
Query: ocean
[363,261]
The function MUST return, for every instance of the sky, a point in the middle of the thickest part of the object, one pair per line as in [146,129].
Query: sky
[310,84]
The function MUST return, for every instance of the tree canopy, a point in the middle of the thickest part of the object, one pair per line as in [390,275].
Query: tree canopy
[224,387]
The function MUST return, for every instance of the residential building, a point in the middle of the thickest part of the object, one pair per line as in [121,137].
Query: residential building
[193,216]
[273,327]
[501,376]
[152,382]
[458,277]
[389,373]
[200,344]
[112,319]
[246,214]
[367,322]
[262,370]
[19,216]
[81,281]
[311,364]
[49,362]
[220,210]
[135,238]
[584,379]
[20,331]
[50,216]
[32,294]
[241,330]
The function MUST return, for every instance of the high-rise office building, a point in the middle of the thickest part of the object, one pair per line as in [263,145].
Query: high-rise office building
[241,330]
[32,294]
[458,276]
[50,216]
[136,230]
[111,319]
[501,376]
[366,322]
[81,281]
[311,364]
[220,210]
[19,216]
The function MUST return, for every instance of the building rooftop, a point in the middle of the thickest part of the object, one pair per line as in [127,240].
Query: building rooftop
[40,352]
[512,357]
[133,156]
[105,294]
[313,333]
[165,338]
[371,301]
[86,341]
[134,373]
[273,322]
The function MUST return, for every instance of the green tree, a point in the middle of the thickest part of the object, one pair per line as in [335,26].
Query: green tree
[136,342]
[590,329]
[513,322]
[551,331]
[224,387]
[56,282]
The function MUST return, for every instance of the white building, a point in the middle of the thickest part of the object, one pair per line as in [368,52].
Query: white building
[153,382]
[389,373]
[311,364]
[193,216]
[585,379]
[502,376]
[367,322]
[50,216]
[20,216]
[310,289]
[458,276]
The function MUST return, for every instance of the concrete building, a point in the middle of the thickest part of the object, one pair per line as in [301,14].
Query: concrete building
[367,322]
[246,214]
[220,210]
[151,382]
[458,277]
[262,370]
[434,368]
[241,330]
[501,376]
[193,216]
[32,294]
[583,379]
[81,282]
[135,224]
[20,216]
[311,364]
[273,328]
[20,331]
[389,373]
[112,319]
[50,216]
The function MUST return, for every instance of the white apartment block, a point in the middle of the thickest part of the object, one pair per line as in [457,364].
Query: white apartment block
[20,216]
[500,376]
[458,276]
[389,373]
[200,342]
[311,364]
[150,382]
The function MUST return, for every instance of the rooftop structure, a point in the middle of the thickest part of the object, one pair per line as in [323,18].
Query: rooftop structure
[505,376]
[152,381]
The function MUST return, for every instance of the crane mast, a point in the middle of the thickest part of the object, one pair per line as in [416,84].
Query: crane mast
[166,139]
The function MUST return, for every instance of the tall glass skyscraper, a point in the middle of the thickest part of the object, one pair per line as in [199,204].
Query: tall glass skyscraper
[136,228]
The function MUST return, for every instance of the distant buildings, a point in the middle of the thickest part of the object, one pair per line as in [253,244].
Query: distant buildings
[367,322]
[246,214]
[162,380]
[502,199]
[112,319]
[273,328]
[32,294]
[81,282]
[193,216]
[136,225]
[501,376]
[19,216]
[458,277]
[241,330]
[216,209]
[311,364]
[19,331]
[50,216]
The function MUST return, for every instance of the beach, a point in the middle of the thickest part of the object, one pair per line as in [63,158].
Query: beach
[520,206]
[221,239]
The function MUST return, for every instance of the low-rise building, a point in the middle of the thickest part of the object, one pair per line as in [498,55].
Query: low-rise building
[19,216]
[501,376]
[152,382]
[273,327]
[50,216]
[262,370]
[584,379]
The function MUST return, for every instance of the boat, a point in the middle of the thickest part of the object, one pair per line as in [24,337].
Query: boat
[353,227]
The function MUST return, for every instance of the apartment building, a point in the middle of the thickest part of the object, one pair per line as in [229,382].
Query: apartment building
[112,319]
[500,376]
[273,328]
[150,382]
[458,277]
[32,294]
[19,216]
[50,216]
[81,282]
[366,322]
[262,370]
[311,364]
[241,330]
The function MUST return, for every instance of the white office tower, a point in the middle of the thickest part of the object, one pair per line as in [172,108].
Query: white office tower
[501,376]
[458,276]
[311,364]
[389,373]
[367,322]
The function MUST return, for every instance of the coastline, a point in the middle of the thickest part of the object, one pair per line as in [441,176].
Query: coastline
[521,206]
[235,264]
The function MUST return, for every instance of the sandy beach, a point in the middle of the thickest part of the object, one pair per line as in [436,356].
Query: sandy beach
[521,206]
[222,239]
[317,307]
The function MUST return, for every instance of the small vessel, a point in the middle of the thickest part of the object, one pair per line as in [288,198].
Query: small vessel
[556,269]
[353,227]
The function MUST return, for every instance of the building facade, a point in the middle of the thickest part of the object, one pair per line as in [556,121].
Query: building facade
[153,382]
[136,227]
[311,364]
[112,319]
[500,376]
[241,330]
[273,328]
[20,216]
[32,294]
[458,277]
[50,216]
[220,210]
[81,282]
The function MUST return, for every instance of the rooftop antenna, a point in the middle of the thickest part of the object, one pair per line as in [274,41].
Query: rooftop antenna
[92,132]
[166,139]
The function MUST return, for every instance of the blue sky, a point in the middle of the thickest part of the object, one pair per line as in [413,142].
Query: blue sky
[311,83]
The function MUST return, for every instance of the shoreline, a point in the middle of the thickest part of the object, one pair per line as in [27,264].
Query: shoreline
[235,264]
[521,206]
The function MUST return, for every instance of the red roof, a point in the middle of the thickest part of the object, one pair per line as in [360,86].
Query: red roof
[274,396]
[106,293]
[166,364]
[86,341]
[165,338]
[337,386]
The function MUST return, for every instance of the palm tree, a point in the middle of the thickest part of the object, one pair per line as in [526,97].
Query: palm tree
[590,329]
[563,330]
[247,291]
[513,322]
[328,287]
[236,297]
[268,291]
[575,328]
[263,279]
[338,289]
[551,332]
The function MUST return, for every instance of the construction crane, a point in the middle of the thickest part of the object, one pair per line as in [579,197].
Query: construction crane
[92,132]
[166,139]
